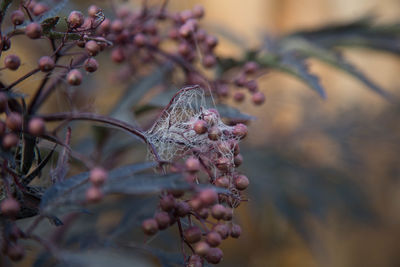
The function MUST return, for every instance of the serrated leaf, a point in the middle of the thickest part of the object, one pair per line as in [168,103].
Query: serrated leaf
[70,192]
[295,66]
[49,24]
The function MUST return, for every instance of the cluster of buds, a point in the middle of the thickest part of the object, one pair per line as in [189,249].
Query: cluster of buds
[97,178]
[216,158]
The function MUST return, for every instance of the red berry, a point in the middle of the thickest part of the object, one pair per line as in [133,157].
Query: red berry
[17,17]
[239,96]
[12,62]
[182,209]
[228,214]
[238,160]
[39,9]
[192,234]
[9,207]
[117,26]
[74,77]
[75,19]
[214,255]
[94,194]
[222,181]
[201,248]
[222,229]
[10,140]
[213,239]
[36,126]
[192,164]
[98,176]
[200,126]
[241,182]
[163,219]
[250,67]
[208,196]
[223,164]
[198,11]
[236,231]
[240,130]
[218,211]
[14,121]
[92,48]
[203,213]
[167,203]
[46,64]
[140,39]
[195,203]
[91,65]
[117,55]
[258,98]
[150,226]
[252,86]
[93,11]
[214,133]
[209,61]
[33,30]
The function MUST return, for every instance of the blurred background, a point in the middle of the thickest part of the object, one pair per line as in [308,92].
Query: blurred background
[325,174]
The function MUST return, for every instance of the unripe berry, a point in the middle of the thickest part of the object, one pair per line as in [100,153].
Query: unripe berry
[91,65]
[218,211]
[236,231]
[17,17]
[223,164]
[214,255]
[33,30]
[214,133]
[222,181]
[36,126]
[167,203]
[93,11]
[208,196]
[163,219]
[9,207]
[198,11]
[211,41]
[94,194]
[239,96]
[39,9]
[14,121]
[213,239]
[240,130]
[15,252]
[46,64]
[222,229]
[150,226]
[241,182]
[98,176]
[192,164]
[252,86]
[195,261]
[201,248]
[238,160]
[258,98]
[74,77]
[209,61]
[117,55]
[12,62]
[140,39]
[182,209]
[200,126]
[250,67]
[92,48]
[192,234]
[10,140]
[75,19]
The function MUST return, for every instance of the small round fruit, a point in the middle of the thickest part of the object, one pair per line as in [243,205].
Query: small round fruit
[236,231]
[33,30]
[74,77]
[17,17]
[94,195]
[75,19]
[150,226]
[182,209]
[92,48]
[218,211]
[222,181]
[163,219]
[213,239]
[14,121]
[91,65]
[214,255]
[214,133]
[258,98]
[241,182]
[208,196]
[98,176]
[201,248]
[222,229]
[37,126]
[12,62]
[167,203]
[10,140]
[192,164]
[10,207]
[240,130]
[200,126]
[192,234]
[46,64]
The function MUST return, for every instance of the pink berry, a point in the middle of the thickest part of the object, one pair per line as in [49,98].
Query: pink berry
[98,176]
[74,77]
[12,62]
[33,30]
[150,226]
[17,17]
[36,126]
[75,19]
